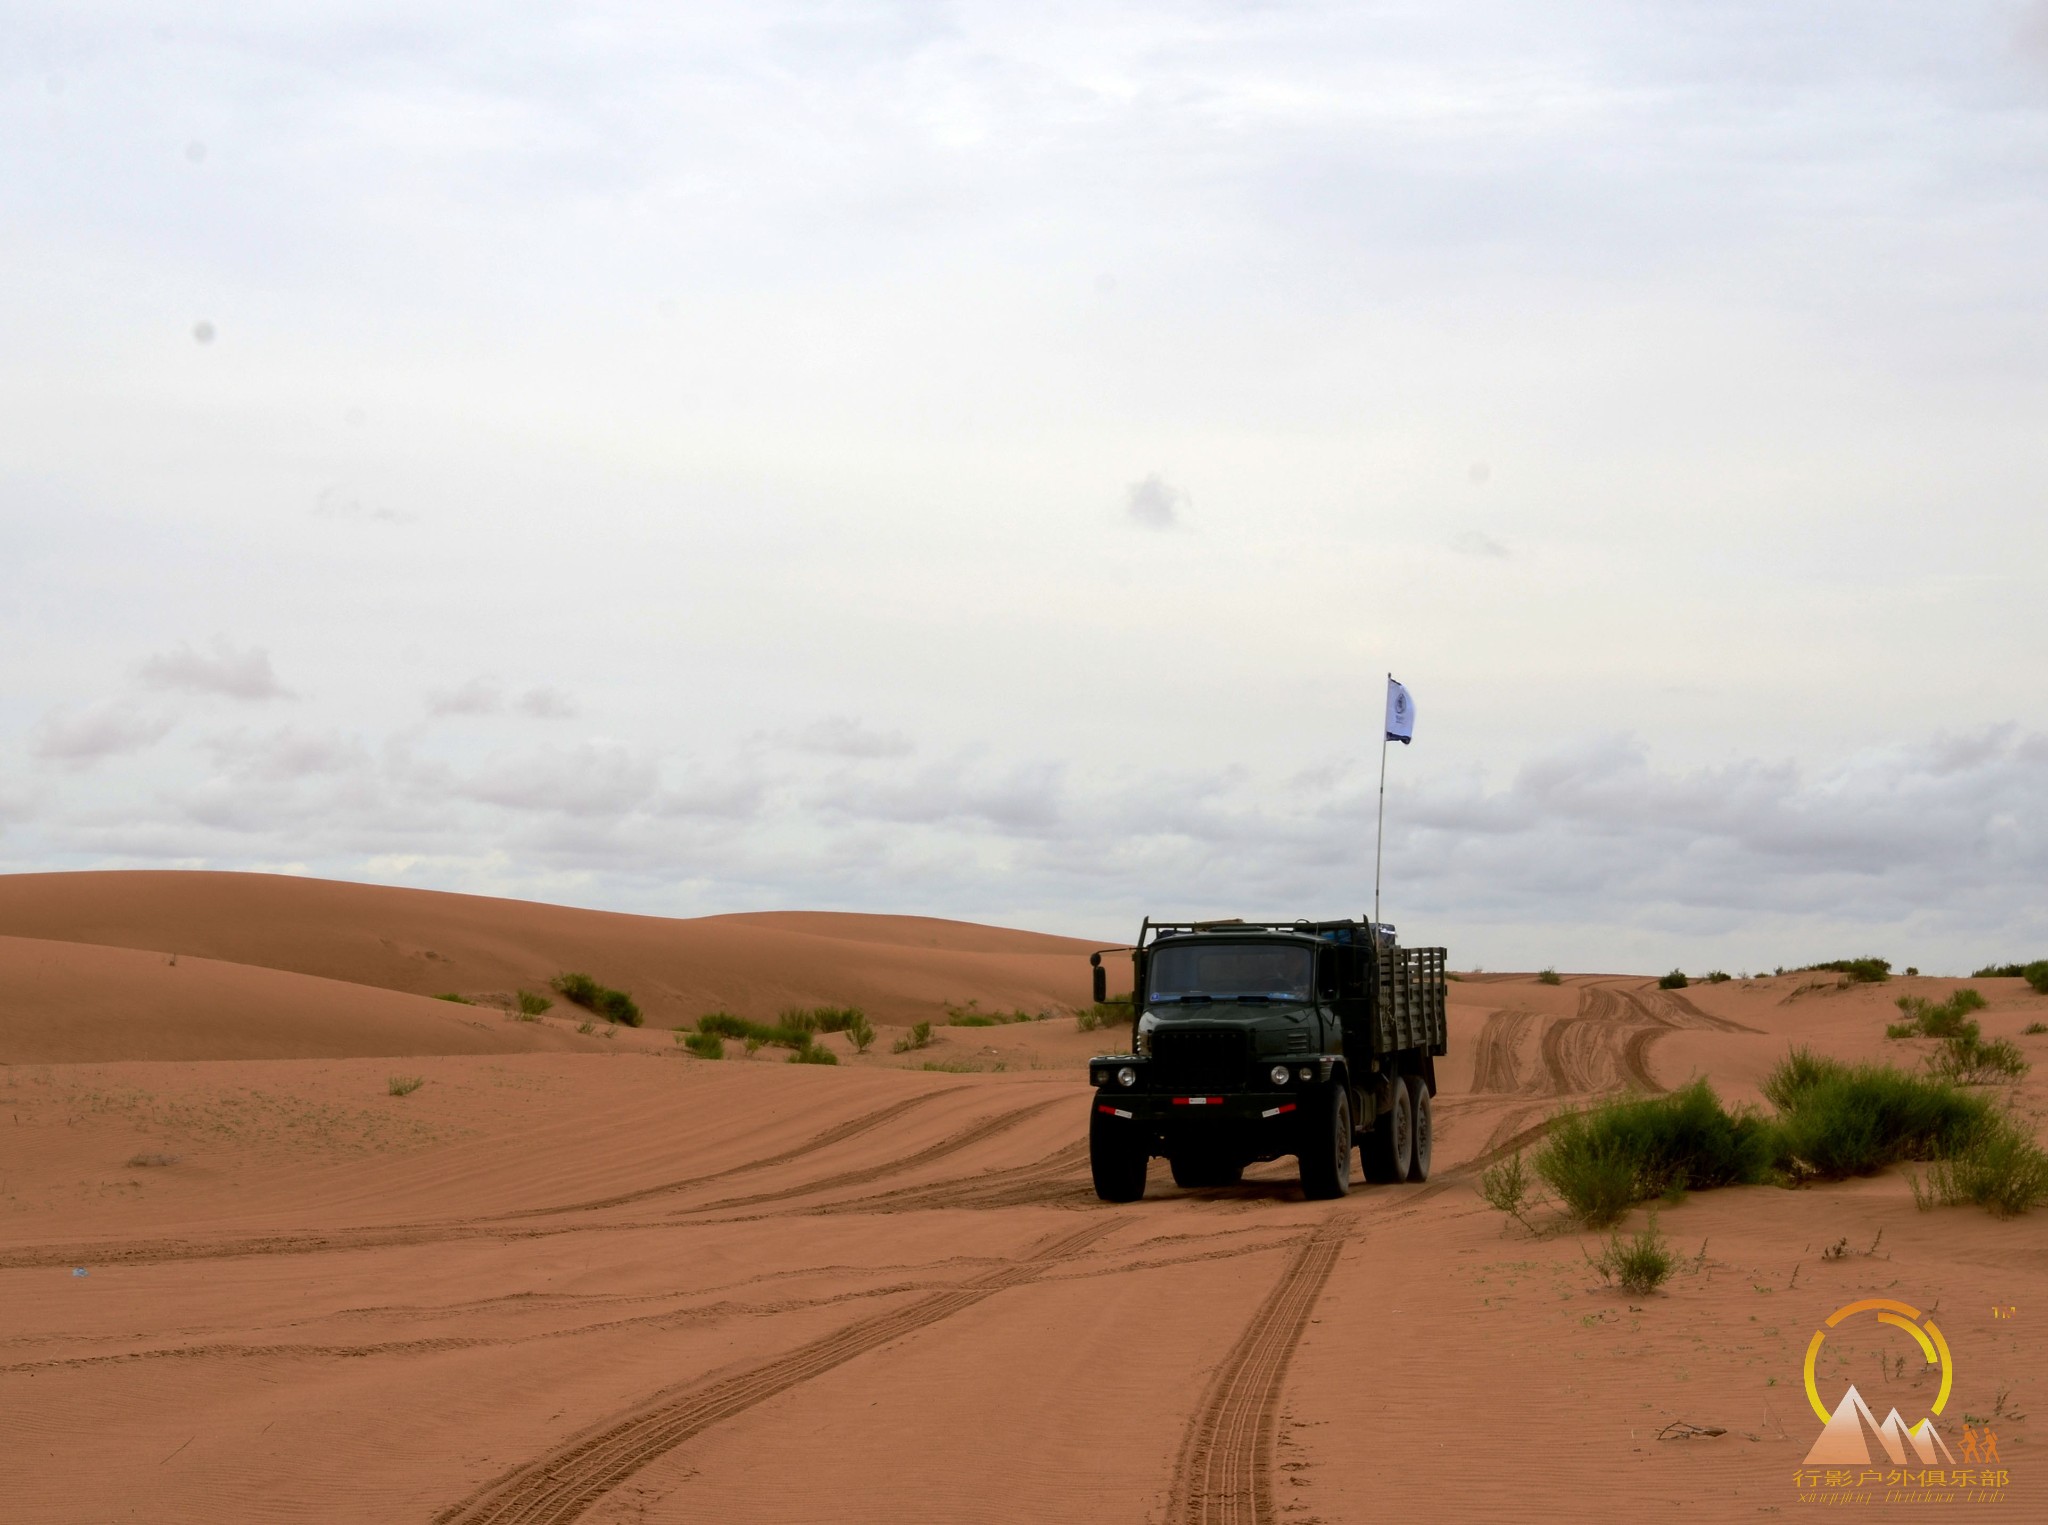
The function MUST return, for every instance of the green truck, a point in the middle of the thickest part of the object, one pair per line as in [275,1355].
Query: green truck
[1255,1040]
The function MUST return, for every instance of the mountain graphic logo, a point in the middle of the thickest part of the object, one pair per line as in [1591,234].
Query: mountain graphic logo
[1844,1442]
[1846,1429]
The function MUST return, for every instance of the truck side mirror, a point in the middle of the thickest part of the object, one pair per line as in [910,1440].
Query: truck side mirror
[1101,978]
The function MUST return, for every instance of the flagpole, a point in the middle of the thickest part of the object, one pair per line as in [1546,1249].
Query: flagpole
[1380,834]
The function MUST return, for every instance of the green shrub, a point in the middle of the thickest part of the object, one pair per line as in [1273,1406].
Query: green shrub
[1640,1265]
[1719,977]
[2001,1168]
[1837,1120]
[1675,980]
[821,1019]
[757,1034]
[971,1015]
[861,1032]
[919,1036]
[703,1045]
[1603,1160]
[459,1000]
[1968,1059]
[2033,1028]
[1114,1012]
[1858,971]
[1549,977]
[1950,1019]
[1505,1186]
[2036,976]
[2035,973]
[532,1004]
[612,1005]
[811,1053]
[405,1085]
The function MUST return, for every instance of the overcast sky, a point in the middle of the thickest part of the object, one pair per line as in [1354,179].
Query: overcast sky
[981,460]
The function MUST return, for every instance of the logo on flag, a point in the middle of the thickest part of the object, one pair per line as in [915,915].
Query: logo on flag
[1400,713]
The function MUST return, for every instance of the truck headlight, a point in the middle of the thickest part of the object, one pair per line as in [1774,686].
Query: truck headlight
[1279,1075]
[1127,1077]
[1307,1073]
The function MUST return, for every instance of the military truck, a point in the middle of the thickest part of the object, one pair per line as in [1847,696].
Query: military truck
[1256,1040]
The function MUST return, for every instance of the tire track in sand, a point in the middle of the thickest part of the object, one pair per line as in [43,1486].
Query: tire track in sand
[561,1485]
[1225,1472]
[966,1138]
[505,1226]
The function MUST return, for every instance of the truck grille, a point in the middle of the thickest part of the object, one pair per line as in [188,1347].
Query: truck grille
[1203,1059]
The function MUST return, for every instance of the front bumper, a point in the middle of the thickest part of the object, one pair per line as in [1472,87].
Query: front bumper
[1165,1110]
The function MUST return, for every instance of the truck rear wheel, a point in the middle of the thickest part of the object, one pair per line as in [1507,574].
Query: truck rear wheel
[1205,1167]
[1421,1128]
[1325,1154]
[1116,1158]
[1390,1147]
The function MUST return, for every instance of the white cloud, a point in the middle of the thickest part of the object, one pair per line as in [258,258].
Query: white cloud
[545,703]
[476,696]
[231,672]
[80,738]
[1155,503]
[841,736]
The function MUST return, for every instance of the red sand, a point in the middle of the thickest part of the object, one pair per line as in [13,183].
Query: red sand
[598,1279]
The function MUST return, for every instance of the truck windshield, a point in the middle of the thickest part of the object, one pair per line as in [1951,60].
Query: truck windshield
[1223,970]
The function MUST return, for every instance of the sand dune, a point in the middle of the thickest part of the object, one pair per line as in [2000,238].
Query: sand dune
[603,1281]
[898,968]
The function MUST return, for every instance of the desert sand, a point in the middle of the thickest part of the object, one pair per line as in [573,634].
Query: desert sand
[588,1276]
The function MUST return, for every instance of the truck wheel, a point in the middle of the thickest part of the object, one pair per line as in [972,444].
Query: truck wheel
[1421,1128]
[1202,1167]
[1390,1147]
[1325,1154]
[1116,1158]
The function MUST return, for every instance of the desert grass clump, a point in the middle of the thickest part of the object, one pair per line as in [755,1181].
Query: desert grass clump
[703,1045]
[1858,971]
[1837,1120]
[1114,1012]
[405,1085]
[2000,1168]
[532,1004]
[1603,1160]
[2035,974]
[145,1161]
[1718,976]
[459,1000]
[1675,980]
[861,1033]
[812,1053]
[612,1005]
[1639,1265]
[2034,1029]
[795,1029]
[1549,976]
[919,1036]
[1506,1187]
[586,1027]
[1970,1060]
[971,1015]
[1924,1019]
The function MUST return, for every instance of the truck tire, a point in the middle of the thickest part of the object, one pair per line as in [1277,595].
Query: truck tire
[1325,1154]
[1390,1147]
[1203,1167]
[1421,1128]
[1116,1159]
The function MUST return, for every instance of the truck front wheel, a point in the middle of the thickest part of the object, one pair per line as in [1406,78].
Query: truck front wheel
[1325,1154]
[1390,1147]
[1116,1158]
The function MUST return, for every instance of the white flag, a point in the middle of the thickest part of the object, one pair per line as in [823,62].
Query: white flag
[1400,713]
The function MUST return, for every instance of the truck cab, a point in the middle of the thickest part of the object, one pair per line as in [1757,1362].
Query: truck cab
[1255,1040]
